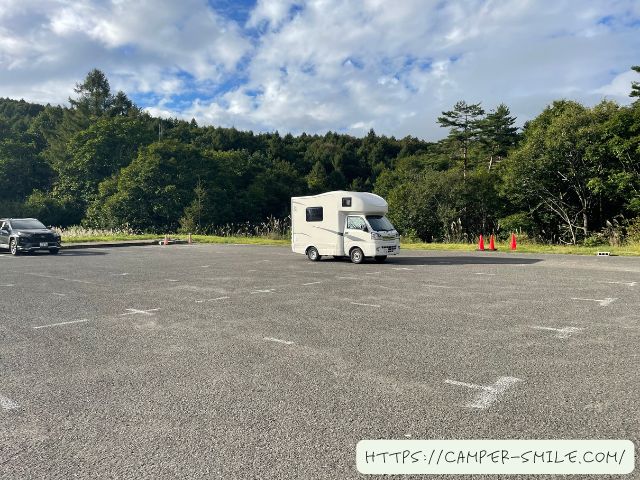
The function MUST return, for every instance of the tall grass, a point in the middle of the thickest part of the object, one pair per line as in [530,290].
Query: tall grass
[273,228]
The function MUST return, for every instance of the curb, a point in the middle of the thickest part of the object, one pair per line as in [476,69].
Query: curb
[77,246]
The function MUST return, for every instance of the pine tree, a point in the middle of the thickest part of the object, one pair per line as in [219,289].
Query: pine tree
[463,123]
[498,133]
[635,86]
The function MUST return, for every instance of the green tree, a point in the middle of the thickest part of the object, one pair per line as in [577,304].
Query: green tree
[498,133]
[94,94]
[463,123]
[191,221]
[317,179]
[563,155]
[635,86]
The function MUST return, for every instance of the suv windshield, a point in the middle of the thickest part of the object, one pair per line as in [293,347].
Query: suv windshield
[379,223]
[26,224]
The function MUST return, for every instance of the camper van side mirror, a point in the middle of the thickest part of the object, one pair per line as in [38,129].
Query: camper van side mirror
[364,228]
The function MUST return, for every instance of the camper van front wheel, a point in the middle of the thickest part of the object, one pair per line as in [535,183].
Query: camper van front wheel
[356,255]
[312,253]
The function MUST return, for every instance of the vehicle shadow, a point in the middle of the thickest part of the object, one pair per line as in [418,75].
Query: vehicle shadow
[63,253]
[447,260]
[462,260]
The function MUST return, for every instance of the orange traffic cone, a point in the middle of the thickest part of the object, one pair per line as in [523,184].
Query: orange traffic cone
[513,241]
[492,244]
[166,240]
[481,244]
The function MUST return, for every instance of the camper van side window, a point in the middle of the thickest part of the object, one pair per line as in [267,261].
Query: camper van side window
[346,201]
[314,214]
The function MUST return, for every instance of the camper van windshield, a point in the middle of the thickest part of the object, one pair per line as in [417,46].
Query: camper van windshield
[379,223]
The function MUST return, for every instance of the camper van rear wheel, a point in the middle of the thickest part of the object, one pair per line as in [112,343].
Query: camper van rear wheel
[380,258]
[312,253]
[356,255]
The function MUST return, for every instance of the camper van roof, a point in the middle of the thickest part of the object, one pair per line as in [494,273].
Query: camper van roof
[361,200]
[365,196]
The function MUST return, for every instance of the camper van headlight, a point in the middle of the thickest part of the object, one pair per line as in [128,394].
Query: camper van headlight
[376,236]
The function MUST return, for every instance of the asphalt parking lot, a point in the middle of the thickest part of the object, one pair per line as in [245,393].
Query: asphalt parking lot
[247,362]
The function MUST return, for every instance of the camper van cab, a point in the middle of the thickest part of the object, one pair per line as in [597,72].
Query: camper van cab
[343,224]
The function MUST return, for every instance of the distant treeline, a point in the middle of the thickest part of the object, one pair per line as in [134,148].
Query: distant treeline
[571,175]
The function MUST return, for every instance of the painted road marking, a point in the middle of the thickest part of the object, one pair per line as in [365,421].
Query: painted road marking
[372,273]
[266,290]
[277,340]
[402,268]
[311,283]
[205,266]
[62,323]
[561,332]
[347,278]
[482,273]
[7,285]
[134,311]
[438,286]
[365,304]
[629,284]
[8,404]
[603,303]
[119,274]
[59,294]
[488,395]
[172,280]
[211,299]
[65,279]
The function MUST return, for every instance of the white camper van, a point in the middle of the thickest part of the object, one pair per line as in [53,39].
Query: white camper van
[343,224]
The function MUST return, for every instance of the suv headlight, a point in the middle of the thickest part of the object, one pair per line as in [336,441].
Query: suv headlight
[376,236]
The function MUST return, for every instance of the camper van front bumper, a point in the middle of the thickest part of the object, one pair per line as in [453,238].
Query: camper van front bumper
[393,249]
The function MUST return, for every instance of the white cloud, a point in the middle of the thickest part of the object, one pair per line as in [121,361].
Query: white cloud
[143,46]
[318,65]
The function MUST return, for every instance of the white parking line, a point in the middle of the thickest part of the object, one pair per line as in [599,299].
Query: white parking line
[119,274]
[277,340]
[61,323]
[372,273]
[482,273]
[365,304]
[347,278]
[8,404]
[402,268]
[59,294]
[603,303]
[266,290]
[172,280]
[561,332]
[7,285]
[134,311]
[488,395]
[65,279]
[629,284]
[211,299]
[311,283]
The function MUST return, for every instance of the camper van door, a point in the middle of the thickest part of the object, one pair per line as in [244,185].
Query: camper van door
[356,233]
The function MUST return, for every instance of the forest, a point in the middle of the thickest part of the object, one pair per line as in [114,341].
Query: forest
[569,176]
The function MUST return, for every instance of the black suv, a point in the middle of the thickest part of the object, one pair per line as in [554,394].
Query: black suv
[27,235]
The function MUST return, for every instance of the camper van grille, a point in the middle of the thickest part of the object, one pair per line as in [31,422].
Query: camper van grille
[390,248]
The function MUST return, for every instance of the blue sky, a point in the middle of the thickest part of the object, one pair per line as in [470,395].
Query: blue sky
[320,65]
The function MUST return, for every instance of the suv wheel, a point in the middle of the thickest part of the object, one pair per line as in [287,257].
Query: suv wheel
[13,246]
